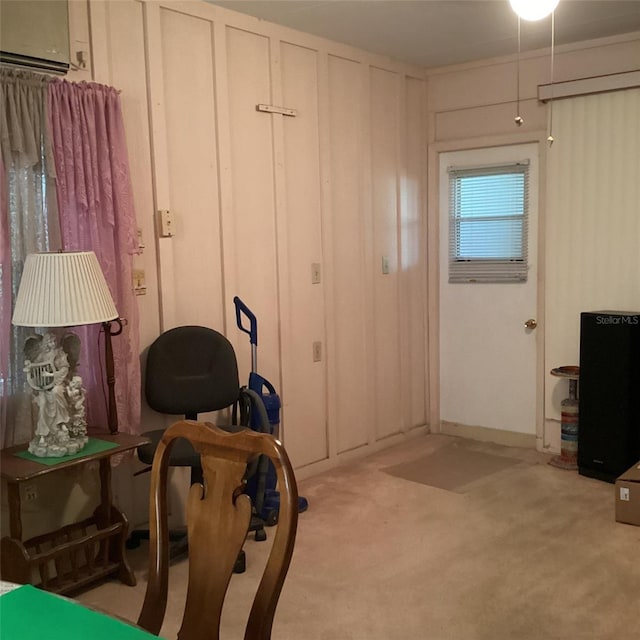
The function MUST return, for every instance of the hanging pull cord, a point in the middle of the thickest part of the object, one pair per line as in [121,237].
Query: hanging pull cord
[518,119]
[553,46]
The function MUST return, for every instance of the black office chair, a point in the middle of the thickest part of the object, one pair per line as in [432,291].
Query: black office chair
[191,370]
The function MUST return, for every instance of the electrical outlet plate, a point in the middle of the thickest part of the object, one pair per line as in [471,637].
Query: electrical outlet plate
[140,239]
[315,273]
[166,223]
[139,284]
[30,493]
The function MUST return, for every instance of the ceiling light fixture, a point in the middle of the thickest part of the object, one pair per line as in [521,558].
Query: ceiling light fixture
[533,9]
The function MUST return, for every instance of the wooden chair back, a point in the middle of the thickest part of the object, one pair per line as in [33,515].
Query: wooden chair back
[218,516]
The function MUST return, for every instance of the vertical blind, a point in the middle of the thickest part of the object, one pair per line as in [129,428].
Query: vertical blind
[592,228]
[488,221]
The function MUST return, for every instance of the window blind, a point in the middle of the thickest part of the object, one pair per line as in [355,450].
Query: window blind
[488,215]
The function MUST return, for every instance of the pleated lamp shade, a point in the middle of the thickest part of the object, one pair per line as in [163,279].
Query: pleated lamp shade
[63,290]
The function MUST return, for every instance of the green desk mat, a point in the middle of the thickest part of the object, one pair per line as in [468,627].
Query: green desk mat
[28,613]
[93,446]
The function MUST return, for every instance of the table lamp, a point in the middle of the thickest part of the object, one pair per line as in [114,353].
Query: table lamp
[63,289]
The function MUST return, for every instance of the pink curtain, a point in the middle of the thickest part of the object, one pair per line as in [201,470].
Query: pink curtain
[5,301]
[96,212]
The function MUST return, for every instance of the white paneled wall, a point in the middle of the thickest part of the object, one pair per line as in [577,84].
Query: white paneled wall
[249,228]
[195,278]
[302,317]
[349,358]
[385,170]
[257,198]
[412,198]
[593,221]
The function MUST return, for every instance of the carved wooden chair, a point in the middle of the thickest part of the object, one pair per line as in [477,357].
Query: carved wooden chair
[218,515]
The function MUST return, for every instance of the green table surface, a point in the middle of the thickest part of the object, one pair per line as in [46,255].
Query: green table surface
[28,613]
[93,446]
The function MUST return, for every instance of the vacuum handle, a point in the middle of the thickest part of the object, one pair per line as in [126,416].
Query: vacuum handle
[241,308]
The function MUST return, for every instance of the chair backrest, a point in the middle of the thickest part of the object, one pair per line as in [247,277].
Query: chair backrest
[217,511]
[191,370]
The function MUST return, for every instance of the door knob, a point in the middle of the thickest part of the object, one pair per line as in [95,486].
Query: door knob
[531,323]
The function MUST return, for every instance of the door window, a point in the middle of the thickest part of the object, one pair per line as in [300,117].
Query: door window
[488,228]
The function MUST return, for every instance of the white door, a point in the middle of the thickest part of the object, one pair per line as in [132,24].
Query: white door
[487,355]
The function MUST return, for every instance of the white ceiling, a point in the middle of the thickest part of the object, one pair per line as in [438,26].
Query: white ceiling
[432,33]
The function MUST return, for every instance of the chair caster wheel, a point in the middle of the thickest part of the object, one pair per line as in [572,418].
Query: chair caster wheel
[132,542]
[261,535]
[241,563]
[272,518]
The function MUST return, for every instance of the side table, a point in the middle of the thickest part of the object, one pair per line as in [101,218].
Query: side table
[568,458]
[73,556]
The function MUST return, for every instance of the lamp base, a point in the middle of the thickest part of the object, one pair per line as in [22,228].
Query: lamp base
[58,394]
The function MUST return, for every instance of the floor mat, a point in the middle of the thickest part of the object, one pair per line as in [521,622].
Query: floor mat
[451,467]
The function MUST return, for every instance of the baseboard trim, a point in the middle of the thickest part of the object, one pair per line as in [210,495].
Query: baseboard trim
[485,434]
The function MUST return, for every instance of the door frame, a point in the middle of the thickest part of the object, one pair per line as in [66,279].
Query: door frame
[433,272]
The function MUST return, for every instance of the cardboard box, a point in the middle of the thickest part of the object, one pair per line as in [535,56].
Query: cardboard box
[628,496]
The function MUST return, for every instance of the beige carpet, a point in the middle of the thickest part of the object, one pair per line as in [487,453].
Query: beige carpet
[451,467]
[530,552]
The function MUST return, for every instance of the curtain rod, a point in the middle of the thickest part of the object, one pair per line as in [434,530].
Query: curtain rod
[585,86]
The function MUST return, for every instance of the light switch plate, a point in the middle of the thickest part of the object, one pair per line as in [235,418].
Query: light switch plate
[385,265]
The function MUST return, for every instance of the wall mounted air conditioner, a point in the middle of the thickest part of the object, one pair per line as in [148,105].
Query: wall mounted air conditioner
[35,34]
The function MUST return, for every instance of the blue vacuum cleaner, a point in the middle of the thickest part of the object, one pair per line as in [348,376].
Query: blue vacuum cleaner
[270,508]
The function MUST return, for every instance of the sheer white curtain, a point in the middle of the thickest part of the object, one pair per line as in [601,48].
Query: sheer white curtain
[28,223]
